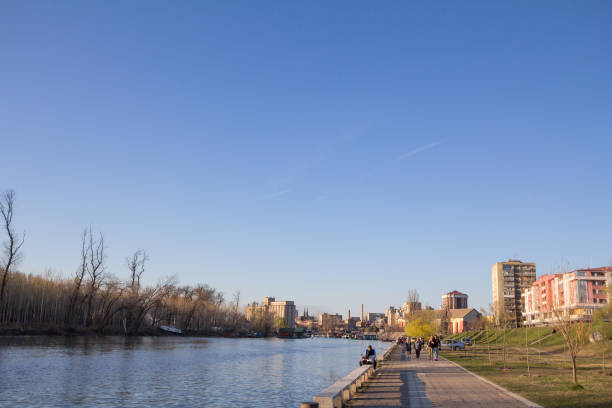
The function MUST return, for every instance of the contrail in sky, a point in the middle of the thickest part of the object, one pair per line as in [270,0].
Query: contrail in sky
[418,150]
[273,195]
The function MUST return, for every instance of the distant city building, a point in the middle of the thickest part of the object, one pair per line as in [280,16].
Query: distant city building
[464,319]
[306,321]
[330,321]
[277,309]
[509,279]
[574,295]
[455,300]
[352,323]
[390,315]
[410,307]
[374,317]
[399,317]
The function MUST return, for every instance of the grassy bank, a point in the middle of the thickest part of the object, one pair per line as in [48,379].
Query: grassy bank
[548,381]
[536,336]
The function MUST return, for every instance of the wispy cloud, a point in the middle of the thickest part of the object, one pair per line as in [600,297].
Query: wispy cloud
[275,194]
[302,166]
[318,199]
[418,150]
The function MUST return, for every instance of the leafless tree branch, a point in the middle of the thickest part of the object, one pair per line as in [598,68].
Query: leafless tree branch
[11,254]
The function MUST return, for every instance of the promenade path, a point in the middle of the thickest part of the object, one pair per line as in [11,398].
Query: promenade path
[408,382]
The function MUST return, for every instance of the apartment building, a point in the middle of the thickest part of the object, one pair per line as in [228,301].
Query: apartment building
[509,280]
[276,309]
[575,294]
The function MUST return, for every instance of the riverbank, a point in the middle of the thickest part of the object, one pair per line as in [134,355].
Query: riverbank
[60,331]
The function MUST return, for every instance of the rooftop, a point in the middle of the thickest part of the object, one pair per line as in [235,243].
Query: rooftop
[459,313]
[456,293]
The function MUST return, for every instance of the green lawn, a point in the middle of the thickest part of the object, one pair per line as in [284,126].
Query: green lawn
[516,336]
[550,369]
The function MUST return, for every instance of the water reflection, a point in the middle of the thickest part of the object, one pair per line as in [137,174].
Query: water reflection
[170,371]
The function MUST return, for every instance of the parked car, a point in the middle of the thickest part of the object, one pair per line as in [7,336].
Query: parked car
[452,345]
[466,341]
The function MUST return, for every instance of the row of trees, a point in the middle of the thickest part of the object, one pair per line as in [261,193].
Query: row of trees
[95,299]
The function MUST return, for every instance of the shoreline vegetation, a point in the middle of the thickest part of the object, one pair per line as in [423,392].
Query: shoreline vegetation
[95,301]
[534,363]
[50,305]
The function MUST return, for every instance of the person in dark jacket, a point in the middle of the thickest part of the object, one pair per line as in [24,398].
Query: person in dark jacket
[408,345]
[369,357]
[435,346]
[418,345]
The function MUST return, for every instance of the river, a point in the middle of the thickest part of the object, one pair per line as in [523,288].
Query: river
[41,371]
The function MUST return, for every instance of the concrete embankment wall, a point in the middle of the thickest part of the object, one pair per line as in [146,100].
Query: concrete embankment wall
[342,390]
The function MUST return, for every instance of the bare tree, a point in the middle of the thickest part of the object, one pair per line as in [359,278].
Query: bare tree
[147,300]
[487,325]
[95,271]
[112,292]
[136,265]
[11,254]
[412,303]
[235,308]
[527,353]
[574,334]
[505,320]
[78,280]
[445,324]
[413,296]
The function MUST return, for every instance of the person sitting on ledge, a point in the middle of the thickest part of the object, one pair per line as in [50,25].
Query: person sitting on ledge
[369,357]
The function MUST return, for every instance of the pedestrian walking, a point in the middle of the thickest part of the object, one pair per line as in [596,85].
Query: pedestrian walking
[418,345]
[430,343]
[408,345]
[436,347]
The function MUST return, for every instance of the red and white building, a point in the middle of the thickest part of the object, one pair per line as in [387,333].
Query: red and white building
[463,319]
[455,300]
[575,294]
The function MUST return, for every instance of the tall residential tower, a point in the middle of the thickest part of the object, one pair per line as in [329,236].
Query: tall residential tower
[509,280]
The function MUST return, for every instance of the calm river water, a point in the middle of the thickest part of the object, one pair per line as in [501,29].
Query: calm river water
[44,371]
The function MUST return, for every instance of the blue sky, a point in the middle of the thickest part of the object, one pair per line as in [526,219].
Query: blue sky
[333,153]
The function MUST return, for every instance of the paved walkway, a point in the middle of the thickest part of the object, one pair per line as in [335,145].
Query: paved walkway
[408,382]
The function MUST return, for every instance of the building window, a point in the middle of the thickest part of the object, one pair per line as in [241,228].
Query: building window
[583,296]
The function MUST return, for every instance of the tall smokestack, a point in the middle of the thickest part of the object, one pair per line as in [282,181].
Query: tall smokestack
[362,312]
[349,314]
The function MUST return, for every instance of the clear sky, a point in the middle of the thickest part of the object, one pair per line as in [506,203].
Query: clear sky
[332,153]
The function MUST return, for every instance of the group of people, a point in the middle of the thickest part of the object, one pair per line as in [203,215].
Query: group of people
[433,345]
